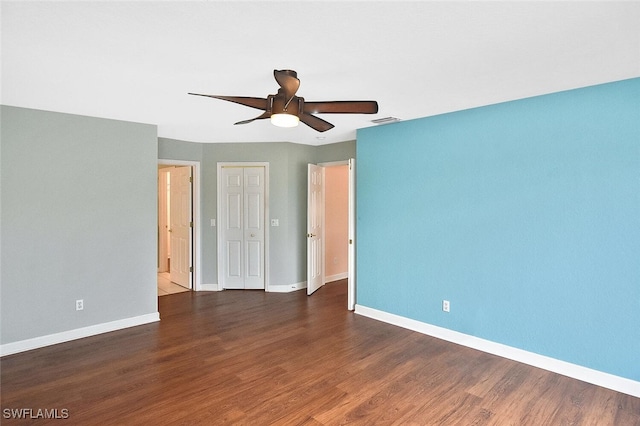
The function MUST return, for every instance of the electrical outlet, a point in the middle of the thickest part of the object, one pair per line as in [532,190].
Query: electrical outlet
[446,306]
[79,304]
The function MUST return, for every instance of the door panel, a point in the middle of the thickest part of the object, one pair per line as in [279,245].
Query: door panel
[254,263]
[181,219]
[315,211]
[164,241]
[234,209]
[231,226]
[254,228]
[254,211]
[234,267]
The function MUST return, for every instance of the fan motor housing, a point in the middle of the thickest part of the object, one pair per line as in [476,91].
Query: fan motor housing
[277,104]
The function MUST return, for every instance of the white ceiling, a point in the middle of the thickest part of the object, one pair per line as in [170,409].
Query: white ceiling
[137,60]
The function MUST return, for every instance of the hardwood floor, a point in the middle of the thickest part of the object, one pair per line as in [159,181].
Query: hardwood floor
[255,358]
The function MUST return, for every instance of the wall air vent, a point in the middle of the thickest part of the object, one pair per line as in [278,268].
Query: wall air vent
[385,120]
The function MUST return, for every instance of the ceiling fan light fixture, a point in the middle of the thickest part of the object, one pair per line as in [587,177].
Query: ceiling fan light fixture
[277,106]
[284,120]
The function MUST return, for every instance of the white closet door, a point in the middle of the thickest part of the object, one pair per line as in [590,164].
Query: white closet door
[254,227]
[242,227]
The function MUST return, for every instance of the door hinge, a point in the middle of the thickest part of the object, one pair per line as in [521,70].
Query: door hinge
[190,268]
[190,224]
[350,241]
[191,179]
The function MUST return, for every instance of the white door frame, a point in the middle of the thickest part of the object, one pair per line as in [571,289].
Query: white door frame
[220,244]
[195,252]
[351,273]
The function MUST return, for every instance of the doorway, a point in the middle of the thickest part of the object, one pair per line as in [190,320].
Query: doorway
[336,207]
[178,226]
[243,237]
[331,226]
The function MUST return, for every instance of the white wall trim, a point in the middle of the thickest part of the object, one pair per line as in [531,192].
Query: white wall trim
[78,333]
[336,277]
[287,288]
[599,378]
[210,287]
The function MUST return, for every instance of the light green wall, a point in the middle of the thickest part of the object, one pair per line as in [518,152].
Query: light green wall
[287,196]
[335,152]
[78,221]
[78,208]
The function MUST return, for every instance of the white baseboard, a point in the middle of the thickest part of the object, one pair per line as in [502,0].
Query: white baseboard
[78,333]
[336,277]
[209,287]
[287,288]
[599,378]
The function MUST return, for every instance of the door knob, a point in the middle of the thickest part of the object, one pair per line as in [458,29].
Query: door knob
[253,235]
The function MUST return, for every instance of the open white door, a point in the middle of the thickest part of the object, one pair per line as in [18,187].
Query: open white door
[315,232]
[351,273]
[163,220]
[181,225]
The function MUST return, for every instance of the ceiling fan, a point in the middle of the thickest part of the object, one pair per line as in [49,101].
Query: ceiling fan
[285,109]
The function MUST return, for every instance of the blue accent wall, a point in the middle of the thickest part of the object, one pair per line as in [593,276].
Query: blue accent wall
[525,215]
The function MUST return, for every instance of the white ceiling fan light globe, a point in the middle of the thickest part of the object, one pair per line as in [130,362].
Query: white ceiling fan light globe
[284,120]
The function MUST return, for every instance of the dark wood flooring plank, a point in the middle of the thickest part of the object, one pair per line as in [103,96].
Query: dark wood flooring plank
[249,357]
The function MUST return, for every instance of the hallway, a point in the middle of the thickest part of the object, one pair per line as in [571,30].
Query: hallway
[165,286]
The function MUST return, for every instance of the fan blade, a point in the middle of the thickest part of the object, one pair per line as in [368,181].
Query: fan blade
[288,80]
[260,117]
[341,107]
[315,123]
[258,103]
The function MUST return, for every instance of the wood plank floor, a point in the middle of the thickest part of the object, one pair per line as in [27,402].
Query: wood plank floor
[255,358]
